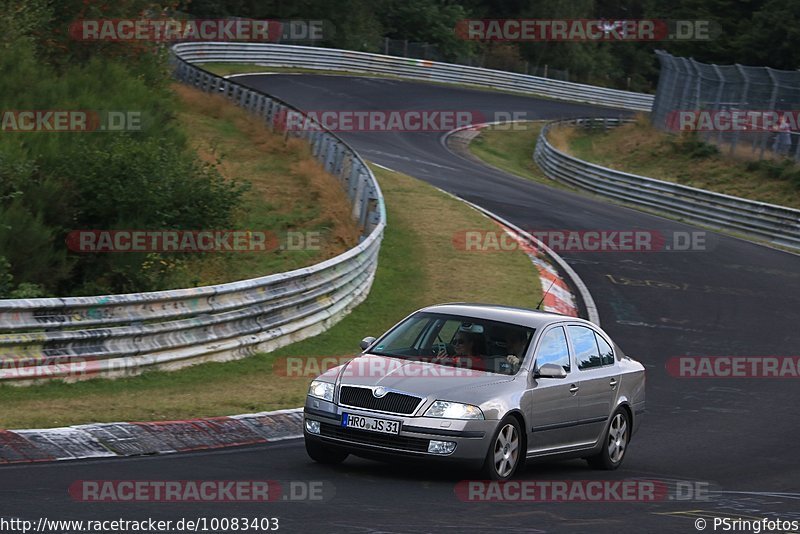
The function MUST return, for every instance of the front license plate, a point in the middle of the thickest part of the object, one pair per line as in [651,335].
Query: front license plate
[371,424]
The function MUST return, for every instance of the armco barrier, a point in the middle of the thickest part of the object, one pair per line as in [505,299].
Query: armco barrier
[275,55]
[776,224]
[112,335]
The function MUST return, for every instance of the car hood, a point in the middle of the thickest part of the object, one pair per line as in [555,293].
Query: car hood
[418,378]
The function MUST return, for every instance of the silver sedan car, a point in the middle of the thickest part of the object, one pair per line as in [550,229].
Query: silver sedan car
[487,386]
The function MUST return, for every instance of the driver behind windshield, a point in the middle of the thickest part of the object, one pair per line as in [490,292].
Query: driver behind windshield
[470,347]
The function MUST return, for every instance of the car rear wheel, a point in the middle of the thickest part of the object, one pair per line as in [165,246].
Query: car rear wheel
[505,451]
[615,444]
[324,455]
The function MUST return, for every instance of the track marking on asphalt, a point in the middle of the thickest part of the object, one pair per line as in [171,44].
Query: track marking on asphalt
[682,286]
[410,528]
[382,167]
[407,158]
[550,516]
[764,493]
[705,514]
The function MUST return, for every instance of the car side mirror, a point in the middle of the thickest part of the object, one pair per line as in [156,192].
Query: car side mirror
[550,370]
[366,342]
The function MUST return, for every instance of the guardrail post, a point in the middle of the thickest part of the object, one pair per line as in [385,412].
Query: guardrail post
[356,190]
[323,148]
[364,204]
[742,100]
[352,177]
[339,163]
[773,96]
[268,110]
[330,151]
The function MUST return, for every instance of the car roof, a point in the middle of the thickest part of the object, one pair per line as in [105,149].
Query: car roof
[506,314]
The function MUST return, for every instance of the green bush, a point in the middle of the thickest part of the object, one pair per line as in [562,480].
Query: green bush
[52,183]
[690,145]
[785,169]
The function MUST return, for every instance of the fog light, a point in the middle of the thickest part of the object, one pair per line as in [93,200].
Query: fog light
[441,447]
[312,427]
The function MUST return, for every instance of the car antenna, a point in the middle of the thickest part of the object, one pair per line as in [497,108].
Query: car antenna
[538,306]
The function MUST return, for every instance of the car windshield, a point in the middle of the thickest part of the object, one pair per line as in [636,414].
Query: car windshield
[459,341]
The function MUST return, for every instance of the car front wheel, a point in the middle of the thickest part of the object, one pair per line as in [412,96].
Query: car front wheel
[615,444]
[505,451]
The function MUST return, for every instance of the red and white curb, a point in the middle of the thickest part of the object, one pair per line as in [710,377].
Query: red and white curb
[557,296]
[102,440]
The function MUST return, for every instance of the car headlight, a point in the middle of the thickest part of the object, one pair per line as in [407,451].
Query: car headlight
[454,410]
[321,390]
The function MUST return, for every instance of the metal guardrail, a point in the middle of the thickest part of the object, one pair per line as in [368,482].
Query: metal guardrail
[777,224]
[275,55]
[112,335]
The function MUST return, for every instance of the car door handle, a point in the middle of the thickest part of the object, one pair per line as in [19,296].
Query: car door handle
[573,389]
[613,383]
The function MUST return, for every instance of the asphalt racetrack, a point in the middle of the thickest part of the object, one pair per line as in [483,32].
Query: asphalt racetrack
[735,440]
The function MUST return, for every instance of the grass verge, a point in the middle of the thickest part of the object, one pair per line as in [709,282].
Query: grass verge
[290,191]
[419,265]
[510,148]
[639,148]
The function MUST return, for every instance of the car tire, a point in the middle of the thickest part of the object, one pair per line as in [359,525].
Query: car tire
[615,442]
[506,451]
[325,455]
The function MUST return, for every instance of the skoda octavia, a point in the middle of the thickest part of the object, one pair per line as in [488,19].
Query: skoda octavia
[486,386]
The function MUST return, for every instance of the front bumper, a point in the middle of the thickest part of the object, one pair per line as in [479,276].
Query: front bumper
[471,437]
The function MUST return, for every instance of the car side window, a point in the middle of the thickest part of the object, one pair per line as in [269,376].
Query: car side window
[586,353]
[553,349]
[606,352]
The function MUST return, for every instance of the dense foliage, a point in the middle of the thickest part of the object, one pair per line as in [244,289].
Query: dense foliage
[753,32]
[54,182]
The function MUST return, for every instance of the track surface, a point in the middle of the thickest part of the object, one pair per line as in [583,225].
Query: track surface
[736,298]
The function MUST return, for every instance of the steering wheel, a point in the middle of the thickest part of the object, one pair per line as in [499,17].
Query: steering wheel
[442,349]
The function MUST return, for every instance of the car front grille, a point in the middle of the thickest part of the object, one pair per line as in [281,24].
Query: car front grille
[391,402]
[364,437]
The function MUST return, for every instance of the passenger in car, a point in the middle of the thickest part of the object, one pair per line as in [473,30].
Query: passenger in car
[515,342]
[516,339]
